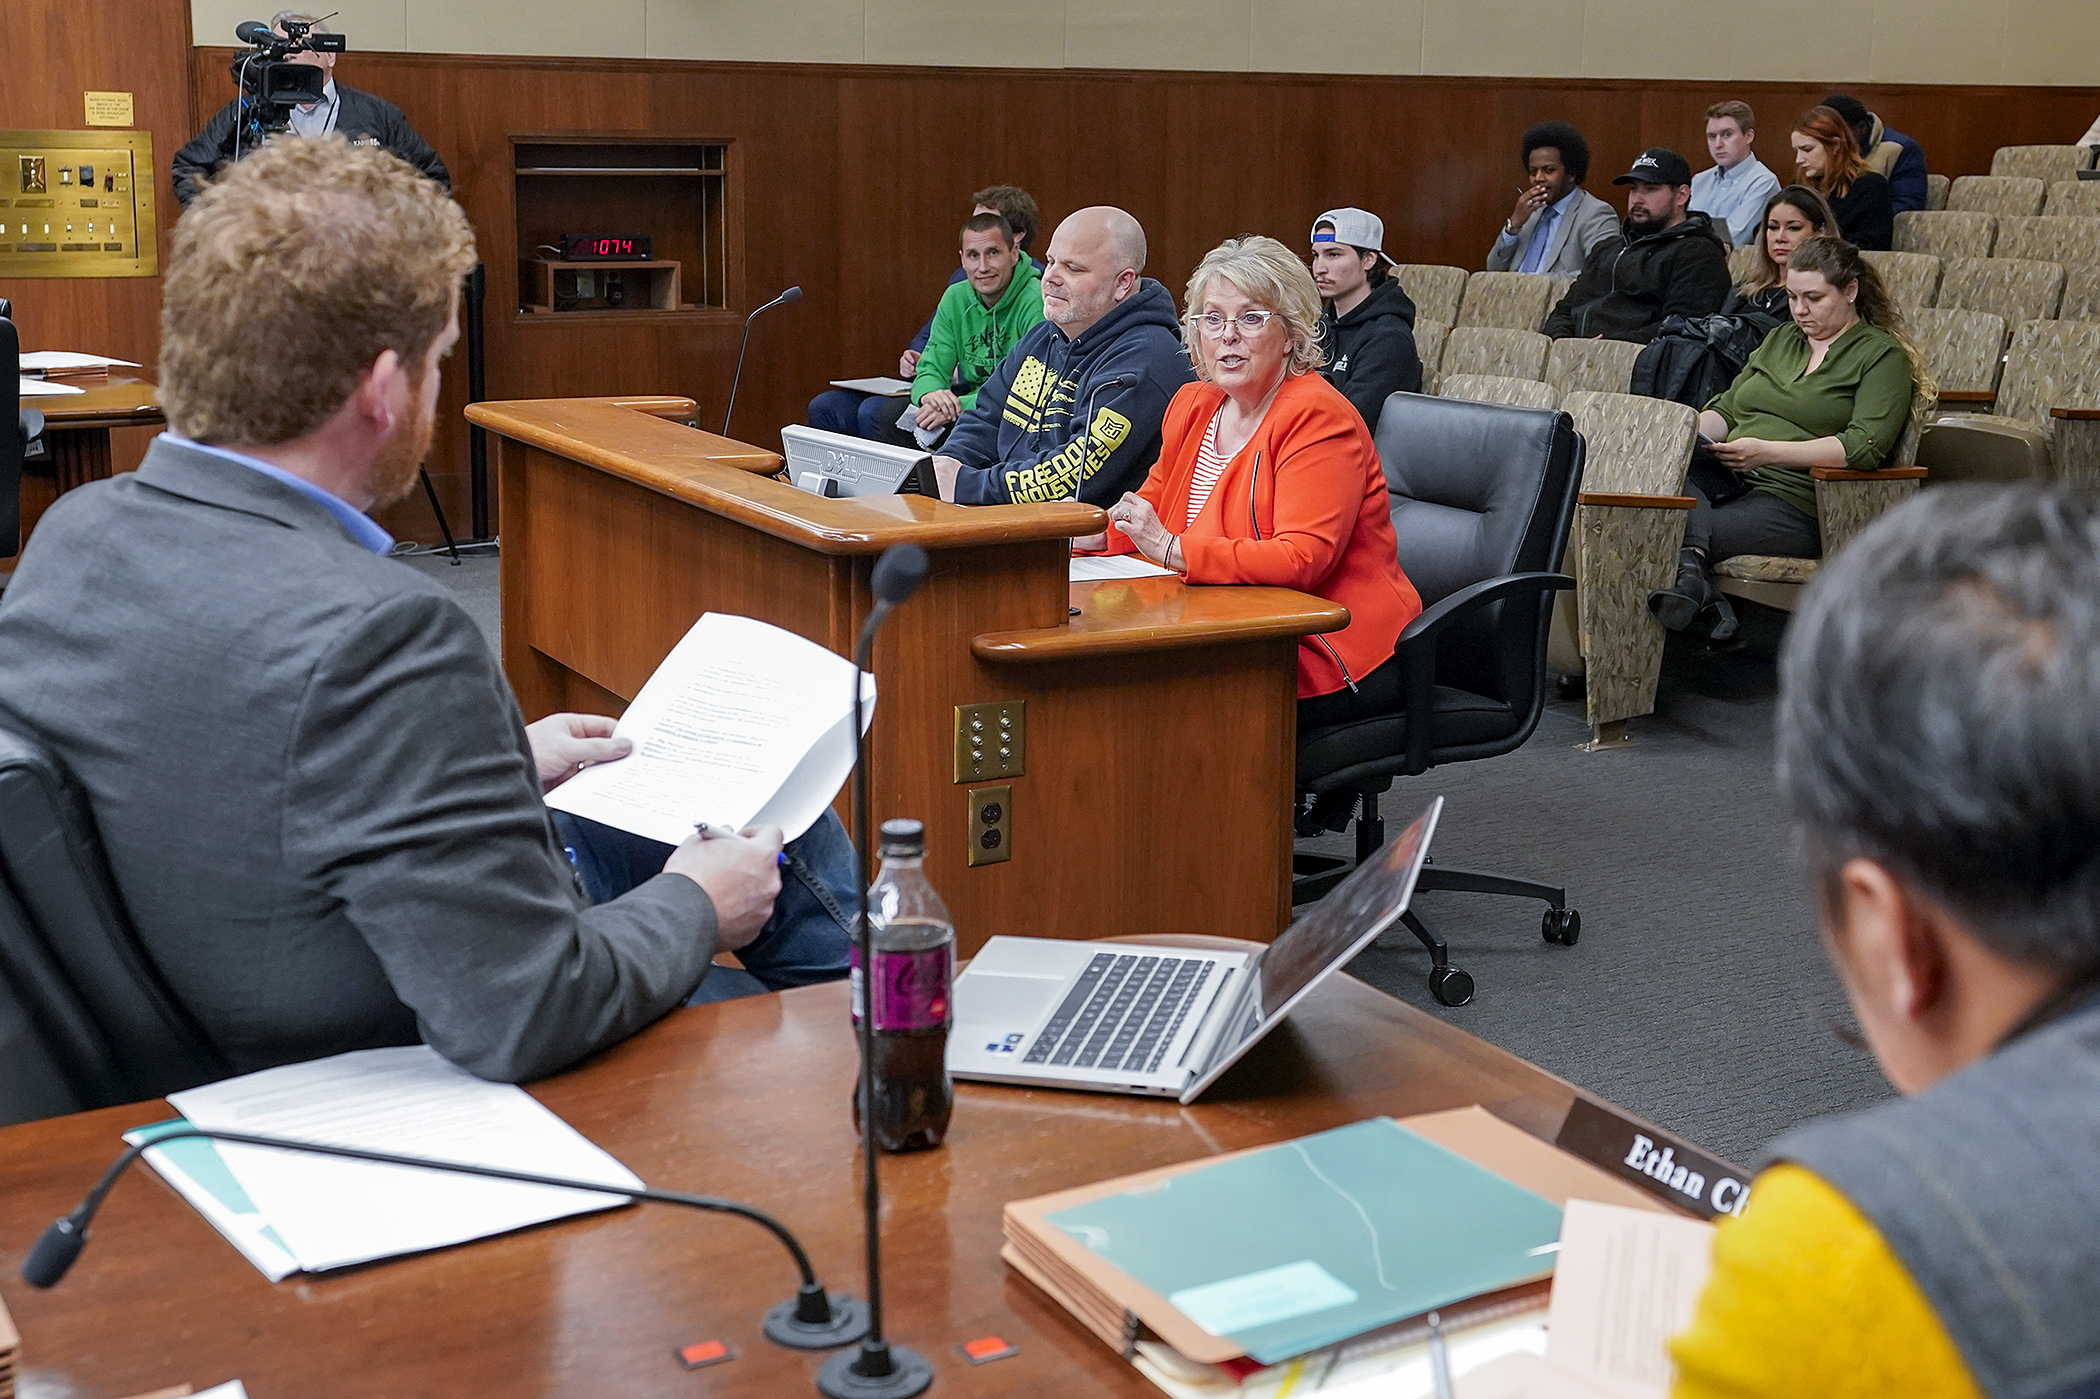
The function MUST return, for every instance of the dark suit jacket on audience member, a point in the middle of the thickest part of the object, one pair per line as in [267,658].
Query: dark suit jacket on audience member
[360,117]
[1371,351]
[314,784]
[1629,287]
[1866,213]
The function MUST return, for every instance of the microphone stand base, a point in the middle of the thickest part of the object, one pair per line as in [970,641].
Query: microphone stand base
[909,1374]
[848,1323]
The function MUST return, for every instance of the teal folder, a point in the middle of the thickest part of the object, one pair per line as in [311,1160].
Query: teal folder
[1306,1244]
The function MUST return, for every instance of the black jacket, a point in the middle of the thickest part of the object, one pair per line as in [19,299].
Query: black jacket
[1371,351]
[364,119]
[1629,286]
[1866,213]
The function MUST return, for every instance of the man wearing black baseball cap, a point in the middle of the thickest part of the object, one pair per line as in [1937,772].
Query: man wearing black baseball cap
[1667,261]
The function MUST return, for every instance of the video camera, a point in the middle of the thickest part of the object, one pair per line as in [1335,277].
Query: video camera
[271,82]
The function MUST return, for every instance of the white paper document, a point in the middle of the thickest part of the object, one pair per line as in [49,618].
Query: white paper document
[49,360]
[44,388]
[330,1213]
[1095,568]
[742,724]
[881,385]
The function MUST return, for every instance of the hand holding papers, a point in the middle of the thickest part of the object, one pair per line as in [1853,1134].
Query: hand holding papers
[742,724]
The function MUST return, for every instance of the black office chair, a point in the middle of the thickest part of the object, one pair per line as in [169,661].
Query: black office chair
[15,435]
[86,1020]
[1482,498]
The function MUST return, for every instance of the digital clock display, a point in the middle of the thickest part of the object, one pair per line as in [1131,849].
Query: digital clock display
[605,247]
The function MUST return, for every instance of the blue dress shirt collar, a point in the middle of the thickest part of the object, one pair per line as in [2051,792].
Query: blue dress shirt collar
[361,526]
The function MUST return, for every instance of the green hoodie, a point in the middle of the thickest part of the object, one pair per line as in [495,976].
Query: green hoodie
[973,338]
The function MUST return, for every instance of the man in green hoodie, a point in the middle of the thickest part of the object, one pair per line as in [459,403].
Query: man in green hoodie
[999,298]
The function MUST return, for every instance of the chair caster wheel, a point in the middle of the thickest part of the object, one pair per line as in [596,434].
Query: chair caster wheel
[1561,926]
[1450,986]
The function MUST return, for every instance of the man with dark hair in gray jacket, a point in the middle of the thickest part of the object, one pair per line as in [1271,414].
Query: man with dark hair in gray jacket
[319,801]
[1939,746]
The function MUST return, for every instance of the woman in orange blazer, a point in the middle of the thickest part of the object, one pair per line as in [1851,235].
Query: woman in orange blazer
[1266,474]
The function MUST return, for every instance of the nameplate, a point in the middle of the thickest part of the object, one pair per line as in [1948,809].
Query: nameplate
[1667,1167]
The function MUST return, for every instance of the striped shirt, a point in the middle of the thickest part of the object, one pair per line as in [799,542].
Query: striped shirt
[1210,465]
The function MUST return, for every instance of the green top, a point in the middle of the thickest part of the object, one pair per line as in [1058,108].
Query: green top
[1860,394]
[969,339]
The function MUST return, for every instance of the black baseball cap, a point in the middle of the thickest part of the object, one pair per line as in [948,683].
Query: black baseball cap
[1658,165]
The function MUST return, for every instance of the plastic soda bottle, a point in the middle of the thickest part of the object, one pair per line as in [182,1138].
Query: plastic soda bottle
[911,940]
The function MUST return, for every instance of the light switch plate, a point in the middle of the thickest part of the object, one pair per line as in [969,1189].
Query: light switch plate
[991,825]
[990,740]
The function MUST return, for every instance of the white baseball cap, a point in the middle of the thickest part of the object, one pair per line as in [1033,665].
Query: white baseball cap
[1358,228]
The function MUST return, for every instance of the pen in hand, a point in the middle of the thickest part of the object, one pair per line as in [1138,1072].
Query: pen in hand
[723,831]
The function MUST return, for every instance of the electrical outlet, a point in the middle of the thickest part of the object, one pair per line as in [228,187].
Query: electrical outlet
[991,825]
[990,740]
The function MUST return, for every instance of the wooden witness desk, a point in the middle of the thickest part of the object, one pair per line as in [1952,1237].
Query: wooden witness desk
[76,434]
[1160,722]
[746,1099]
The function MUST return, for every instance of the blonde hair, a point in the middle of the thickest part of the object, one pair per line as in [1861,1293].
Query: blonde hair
[290,274]
[1272,277]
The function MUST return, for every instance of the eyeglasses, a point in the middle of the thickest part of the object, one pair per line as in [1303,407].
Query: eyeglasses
[1251,323]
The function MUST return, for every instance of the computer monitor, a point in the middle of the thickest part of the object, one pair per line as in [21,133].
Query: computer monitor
[833,464]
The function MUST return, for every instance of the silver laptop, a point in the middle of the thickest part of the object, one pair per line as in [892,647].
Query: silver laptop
[1165,1021]
[833,464]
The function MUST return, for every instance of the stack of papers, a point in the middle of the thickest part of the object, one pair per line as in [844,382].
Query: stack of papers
[292,1211]
[10,1346]
[742,724]
[70,362]
[1093,568]
[45,388]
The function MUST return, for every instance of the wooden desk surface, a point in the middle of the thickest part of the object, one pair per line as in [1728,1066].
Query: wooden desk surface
[733,480]
[1123,615]
[746,1099]
[120,402]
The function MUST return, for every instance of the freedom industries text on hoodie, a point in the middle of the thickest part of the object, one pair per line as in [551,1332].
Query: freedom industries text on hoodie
[1028,441]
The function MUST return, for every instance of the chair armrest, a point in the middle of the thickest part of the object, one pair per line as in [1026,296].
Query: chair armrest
[1651,502]
[1968,398]
[1890,473]
[1416,648]
[2076,415]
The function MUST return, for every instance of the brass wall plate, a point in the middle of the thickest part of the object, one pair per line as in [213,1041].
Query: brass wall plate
[991,825]
[77,204]
[990,740]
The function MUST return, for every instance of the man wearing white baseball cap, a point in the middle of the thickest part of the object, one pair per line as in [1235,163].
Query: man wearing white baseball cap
[1367,323]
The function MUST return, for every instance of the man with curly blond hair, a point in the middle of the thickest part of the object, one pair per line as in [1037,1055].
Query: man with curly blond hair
[318,799]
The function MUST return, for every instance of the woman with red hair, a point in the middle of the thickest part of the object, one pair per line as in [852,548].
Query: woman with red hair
[1827,156]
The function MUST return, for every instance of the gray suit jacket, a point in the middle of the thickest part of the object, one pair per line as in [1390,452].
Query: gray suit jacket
[1589,223]
[315,787]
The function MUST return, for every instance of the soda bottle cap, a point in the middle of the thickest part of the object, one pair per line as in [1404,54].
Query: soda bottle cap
[903,836]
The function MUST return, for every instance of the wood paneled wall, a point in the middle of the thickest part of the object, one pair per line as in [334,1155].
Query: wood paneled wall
[850,181]
[51,53]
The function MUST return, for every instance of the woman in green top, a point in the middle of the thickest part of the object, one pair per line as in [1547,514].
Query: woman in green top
[1834,389]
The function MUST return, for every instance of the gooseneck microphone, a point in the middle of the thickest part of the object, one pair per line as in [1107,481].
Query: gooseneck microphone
[791,294]
[1128,379]
[811,1320]
[877,1370]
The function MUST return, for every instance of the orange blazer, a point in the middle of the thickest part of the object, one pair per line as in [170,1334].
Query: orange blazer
[1302,506]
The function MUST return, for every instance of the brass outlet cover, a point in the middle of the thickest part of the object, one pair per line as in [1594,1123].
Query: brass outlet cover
[991,825]
[990,740]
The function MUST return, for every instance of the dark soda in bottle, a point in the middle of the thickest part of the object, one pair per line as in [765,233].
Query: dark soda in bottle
[911,940]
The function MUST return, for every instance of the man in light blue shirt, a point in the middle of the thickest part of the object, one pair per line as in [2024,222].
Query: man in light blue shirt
[1739,186]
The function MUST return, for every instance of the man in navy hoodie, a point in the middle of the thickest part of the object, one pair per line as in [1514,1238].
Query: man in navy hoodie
[1075,409]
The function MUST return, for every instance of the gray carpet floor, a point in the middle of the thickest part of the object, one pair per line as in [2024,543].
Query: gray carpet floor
[1698,995]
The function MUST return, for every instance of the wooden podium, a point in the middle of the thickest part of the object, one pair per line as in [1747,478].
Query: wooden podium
[1160,723]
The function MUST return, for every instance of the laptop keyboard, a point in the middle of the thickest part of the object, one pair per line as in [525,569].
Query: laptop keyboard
[1122,1013]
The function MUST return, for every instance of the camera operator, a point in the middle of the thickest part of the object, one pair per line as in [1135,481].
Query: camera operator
[362,118]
